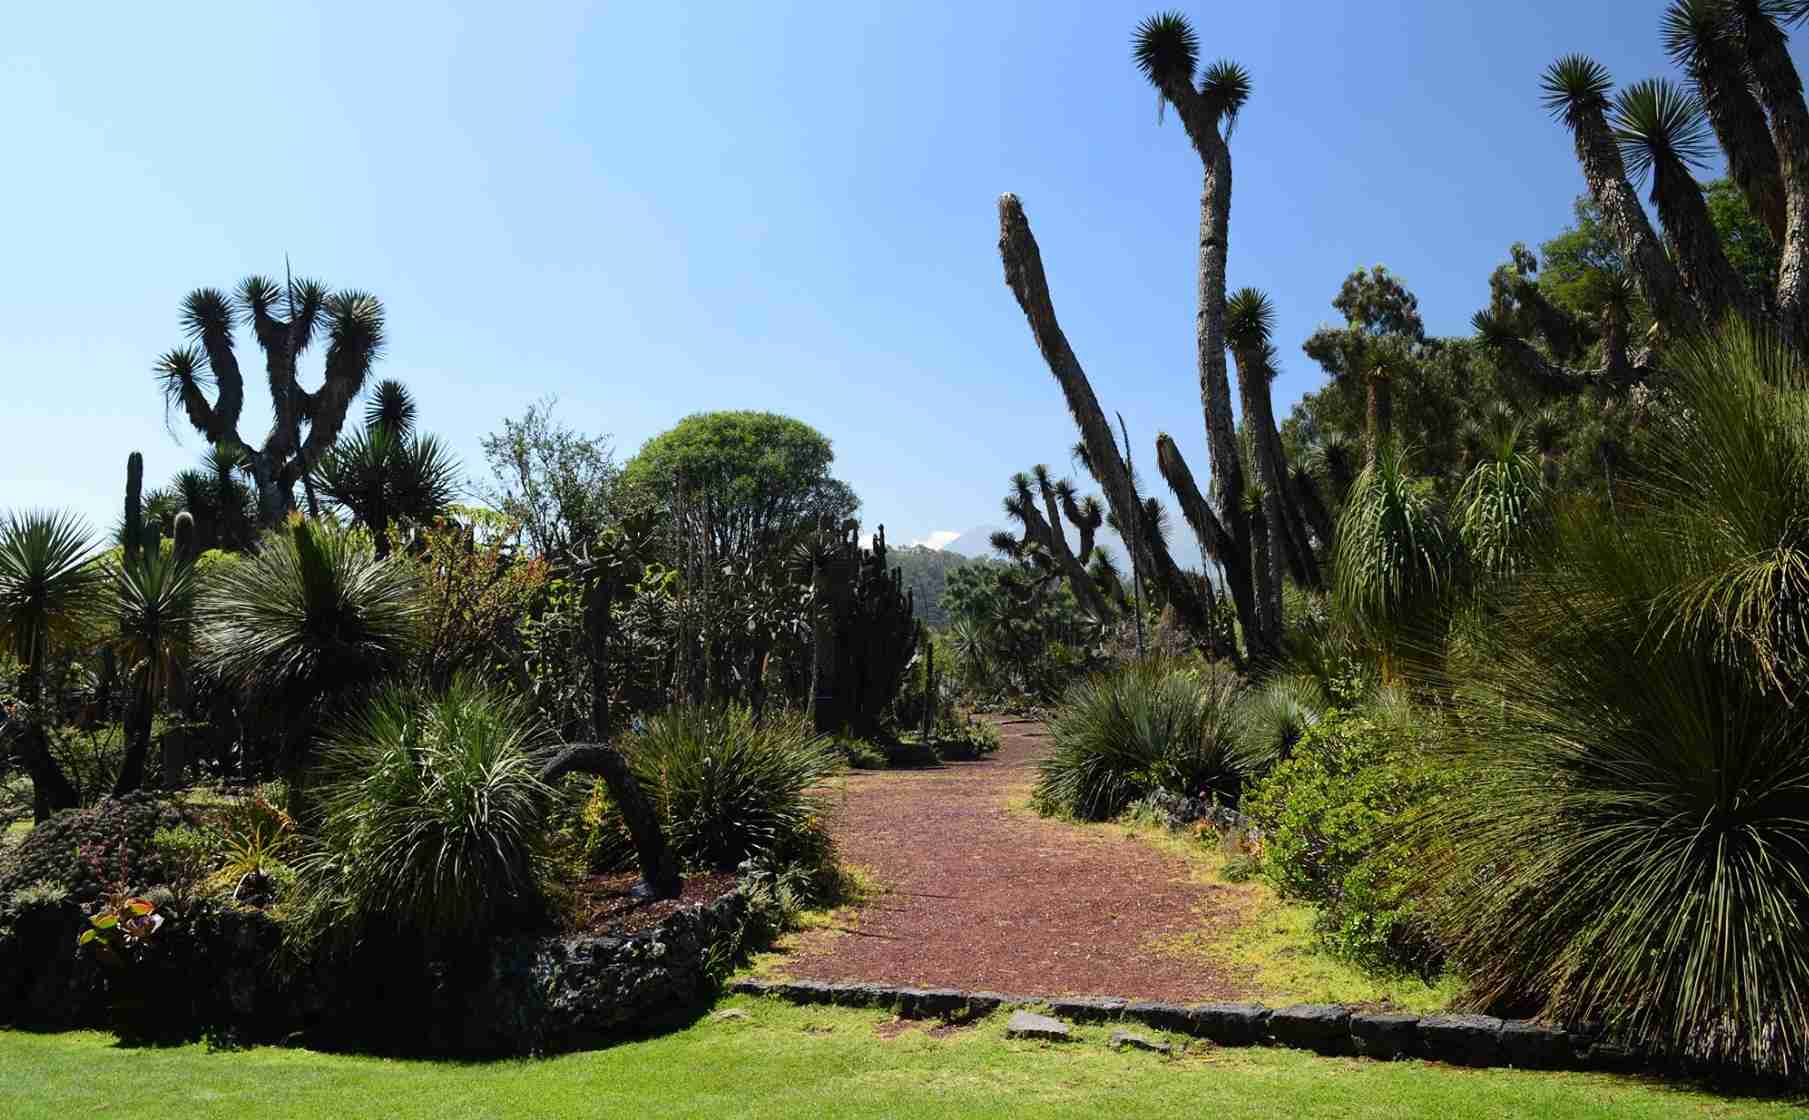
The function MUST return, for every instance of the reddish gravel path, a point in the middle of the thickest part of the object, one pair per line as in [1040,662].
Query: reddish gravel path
[978,893]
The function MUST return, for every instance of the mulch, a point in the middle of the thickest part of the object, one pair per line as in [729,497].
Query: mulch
[978,893]
[605,907]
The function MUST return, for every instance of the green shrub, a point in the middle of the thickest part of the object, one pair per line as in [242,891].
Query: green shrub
[430,819]
[1332,816]
[1122,733]
[190,855]
[730,788]
[1629,842]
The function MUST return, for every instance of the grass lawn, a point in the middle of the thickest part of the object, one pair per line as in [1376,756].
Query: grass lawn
[784,1061]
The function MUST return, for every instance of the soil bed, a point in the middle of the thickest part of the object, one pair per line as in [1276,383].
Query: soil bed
[605,906]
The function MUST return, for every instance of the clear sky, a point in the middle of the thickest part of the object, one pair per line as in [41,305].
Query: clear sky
[652,209]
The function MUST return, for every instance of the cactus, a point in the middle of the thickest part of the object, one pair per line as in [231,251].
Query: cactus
[183,532]
[131,532]
[929,689]
[866,633]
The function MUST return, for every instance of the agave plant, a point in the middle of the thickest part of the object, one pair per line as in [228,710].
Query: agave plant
[49,599]
[310,621]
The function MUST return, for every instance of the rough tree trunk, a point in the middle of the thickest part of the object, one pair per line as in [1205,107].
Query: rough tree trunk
[1781,91]
[1639,247]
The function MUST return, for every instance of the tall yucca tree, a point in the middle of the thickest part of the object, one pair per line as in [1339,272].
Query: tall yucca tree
[388,472]
[154,597]
[50,599]
[312,621]
[1249,331]
[1664,135]
[1207,101]
[286,320]
[1575,90]
[1044,527]
[1698,38]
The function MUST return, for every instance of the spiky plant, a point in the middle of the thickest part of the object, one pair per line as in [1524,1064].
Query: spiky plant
[432,820]
[1271,718]
[311,620]
[1124,733]
[383,477]
[1394,554]
[391,407]
[1502,505]
[50,599]
[154,598]
[1631,842]
[1700,41]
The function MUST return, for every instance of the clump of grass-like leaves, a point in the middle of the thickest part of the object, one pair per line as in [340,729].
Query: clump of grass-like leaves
[1121,734]
[430,820]
[1271,718]
[1394,558]
[729,787]
[1630,843]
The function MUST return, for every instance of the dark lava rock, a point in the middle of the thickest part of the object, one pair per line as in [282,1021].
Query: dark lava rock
[1528,1045]
[1162,1016]
[1465,1040]
[1321,1027]
[1384,1036]
[1127,1040]
[1229,1024]
[1087,1009]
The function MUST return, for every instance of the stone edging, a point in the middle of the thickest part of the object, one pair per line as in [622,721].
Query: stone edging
[1469,1040]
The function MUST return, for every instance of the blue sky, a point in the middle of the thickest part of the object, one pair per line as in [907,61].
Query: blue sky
[653,209]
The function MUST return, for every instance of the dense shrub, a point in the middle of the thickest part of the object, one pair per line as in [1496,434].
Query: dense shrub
[430,819]
[1332,816]
[1122,733]
[89,850]
[1631,835]
[729,787]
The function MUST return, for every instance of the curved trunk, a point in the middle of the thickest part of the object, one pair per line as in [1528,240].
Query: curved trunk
[1215,541]
[51,789]
[659,870]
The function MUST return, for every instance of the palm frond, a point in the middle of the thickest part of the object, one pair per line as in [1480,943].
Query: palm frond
[1658,123]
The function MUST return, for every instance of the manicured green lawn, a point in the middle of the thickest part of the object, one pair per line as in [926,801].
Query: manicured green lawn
[788,1062]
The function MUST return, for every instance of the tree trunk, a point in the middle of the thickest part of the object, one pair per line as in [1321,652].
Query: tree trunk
[1626,220]
[1024,275]
[51,789]
[138,737]
[1720,74]
[1265,549]
[660,876]
[273,503]
[1781,91]
[1216,543]
[1050,535]
[1381,412]
[1701,263]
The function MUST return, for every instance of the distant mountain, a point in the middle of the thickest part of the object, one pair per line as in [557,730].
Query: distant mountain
[926,573]
[974,542]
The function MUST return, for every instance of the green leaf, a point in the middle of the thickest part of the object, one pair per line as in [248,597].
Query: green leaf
[105,921]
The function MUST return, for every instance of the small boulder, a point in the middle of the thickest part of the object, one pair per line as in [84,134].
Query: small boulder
[1384,1036]
[1028,1024]
[1527,1045]
[1087,1009]
[730,1015]
[1465,1040]
[1229,1024]
[1323,1028]
[1122,1040]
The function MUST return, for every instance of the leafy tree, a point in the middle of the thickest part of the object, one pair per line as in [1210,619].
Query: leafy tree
[740,483]
[352,323]
[556,483]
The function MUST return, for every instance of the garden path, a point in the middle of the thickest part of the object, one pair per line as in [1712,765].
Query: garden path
[974,891]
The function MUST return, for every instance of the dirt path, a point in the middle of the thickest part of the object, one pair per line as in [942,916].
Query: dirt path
[978,893]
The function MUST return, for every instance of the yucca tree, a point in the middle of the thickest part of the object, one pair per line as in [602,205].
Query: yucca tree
[1502,505]
[1755,24]
[1395,559]
[1043,527]
[1696,36]
[311,621]
[388,472]
[1249,330]
[1576,89]
[154,597]
[50,600]
[1663,135]
[286,320]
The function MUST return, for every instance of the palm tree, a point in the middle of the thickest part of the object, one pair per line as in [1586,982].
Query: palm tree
[154,598]
[1576,91]
[353,324]
[388,473]
[49,600]
[1663,134]
[311,621]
